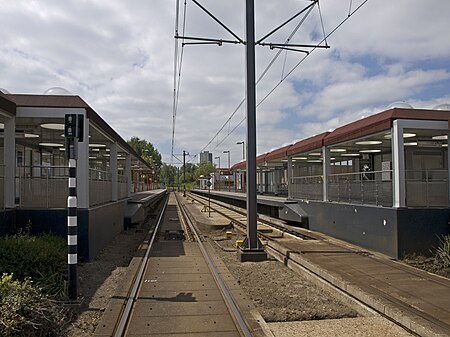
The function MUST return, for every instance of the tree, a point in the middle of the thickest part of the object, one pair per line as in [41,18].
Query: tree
[204,169]
[146,151]
[168,175]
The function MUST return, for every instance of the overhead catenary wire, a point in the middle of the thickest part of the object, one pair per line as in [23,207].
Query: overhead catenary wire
[178,62]
[316,46]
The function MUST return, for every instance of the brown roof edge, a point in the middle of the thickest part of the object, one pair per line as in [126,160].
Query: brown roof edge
[71,101]
[308,144]
[7,104]
[239,166]
[278,153]
[381,121]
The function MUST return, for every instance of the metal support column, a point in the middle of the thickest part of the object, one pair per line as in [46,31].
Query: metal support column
[326,167]
[9,157]
[114,172]
[398,165]
[251,249]
[289,177]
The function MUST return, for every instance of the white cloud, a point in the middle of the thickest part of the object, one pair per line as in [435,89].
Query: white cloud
[118,56]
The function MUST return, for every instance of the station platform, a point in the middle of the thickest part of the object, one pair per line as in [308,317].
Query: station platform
[419,300]
[135,211]
[275,206]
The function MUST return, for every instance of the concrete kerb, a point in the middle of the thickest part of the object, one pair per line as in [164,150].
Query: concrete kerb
[362,302]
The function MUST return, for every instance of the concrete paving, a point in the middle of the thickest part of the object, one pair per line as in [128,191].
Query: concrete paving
[418,300]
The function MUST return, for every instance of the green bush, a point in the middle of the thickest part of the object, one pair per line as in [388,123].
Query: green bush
[41,258]
[442,255]
[26,312]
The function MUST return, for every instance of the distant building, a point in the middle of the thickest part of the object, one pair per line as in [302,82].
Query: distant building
[206,156]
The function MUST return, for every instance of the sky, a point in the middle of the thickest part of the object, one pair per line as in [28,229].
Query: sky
[119,57]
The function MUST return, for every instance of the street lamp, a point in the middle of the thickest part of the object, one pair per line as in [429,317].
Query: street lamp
[243,149]
[229,169]
[219,169]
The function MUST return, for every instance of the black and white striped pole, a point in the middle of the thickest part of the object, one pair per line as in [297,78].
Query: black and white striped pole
[72,224]
[73,132]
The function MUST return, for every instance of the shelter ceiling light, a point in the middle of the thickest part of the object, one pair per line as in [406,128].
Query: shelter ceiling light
[440,137]
[338,150]
[30,135]
[51,144]
[52,126]
[444,145]
[370,151]
[369,142]
[350,155]
[97,145]
[300,158]
[405,135]
[95,150]
[62,149]
[2,126]
[315,154]
[410,144]
[314,161]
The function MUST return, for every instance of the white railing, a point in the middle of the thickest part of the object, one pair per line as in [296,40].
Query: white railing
[427,188]
[122,186]
[41,186]
[371,188]
[307,187]
[100,187]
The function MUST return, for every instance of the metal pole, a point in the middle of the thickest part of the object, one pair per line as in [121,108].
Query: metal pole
[218,170]
[229,170]
[209,200]
[243,149]
[72,221]
[252,239]
[184,173]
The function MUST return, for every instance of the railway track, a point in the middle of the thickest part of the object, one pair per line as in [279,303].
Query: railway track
[237,217]
[177,288]
[365,278]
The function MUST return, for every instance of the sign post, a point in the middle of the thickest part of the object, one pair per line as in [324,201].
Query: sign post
[73,132]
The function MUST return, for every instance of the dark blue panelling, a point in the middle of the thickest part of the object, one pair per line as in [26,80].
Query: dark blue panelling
[420,229]
[7,222]
[370,227]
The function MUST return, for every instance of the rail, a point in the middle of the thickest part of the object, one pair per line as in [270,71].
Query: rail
[126,313]
[307,187]
[427,188]
[227,296]
[100,187]
[42,186]
[371,187]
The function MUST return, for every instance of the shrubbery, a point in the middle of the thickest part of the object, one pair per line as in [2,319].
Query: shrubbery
[442,255]
[41,258]
[26,312]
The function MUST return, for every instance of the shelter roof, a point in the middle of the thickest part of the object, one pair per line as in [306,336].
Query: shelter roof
[308,144]
[7,104]
[72,101]
[380,122]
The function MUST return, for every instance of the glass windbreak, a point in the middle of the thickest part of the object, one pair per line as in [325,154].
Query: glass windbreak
[426,168]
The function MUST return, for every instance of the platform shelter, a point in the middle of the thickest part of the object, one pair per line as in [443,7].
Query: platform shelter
[34,170]
[381,182]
